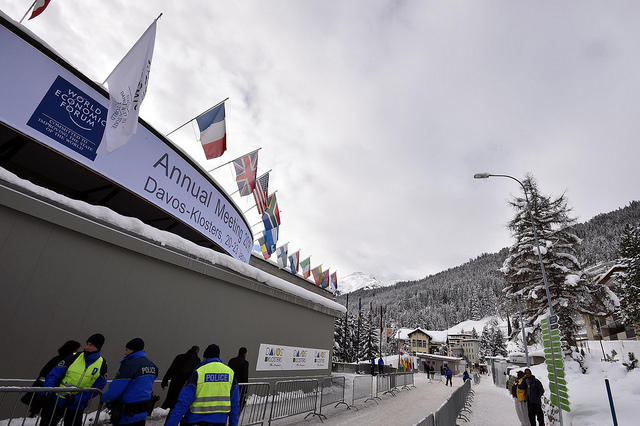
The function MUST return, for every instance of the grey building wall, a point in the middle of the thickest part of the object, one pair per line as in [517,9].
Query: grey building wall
[63,276]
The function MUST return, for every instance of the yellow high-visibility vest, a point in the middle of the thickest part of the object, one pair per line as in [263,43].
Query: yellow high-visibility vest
[79,376]
[520,393]
[213,390]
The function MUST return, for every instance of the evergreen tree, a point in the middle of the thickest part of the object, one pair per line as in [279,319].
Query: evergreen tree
[485,348]
[629,288]
[474,300]
[474,333]
[498,345]
[339,351]
[571,294]
[370,332]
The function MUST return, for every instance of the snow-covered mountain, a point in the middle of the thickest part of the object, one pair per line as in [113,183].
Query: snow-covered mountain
[360,280]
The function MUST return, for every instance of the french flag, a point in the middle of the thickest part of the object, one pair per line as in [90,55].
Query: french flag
[213,132]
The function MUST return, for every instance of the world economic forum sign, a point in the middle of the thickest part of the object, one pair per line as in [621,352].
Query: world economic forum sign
[47,102]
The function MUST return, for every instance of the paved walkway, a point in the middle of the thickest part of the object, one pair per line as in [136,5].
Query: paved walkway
[492,405]
[407,408]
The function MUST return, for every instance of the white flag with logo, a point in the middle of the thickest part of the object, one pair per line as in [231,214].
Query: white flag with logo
[127,87]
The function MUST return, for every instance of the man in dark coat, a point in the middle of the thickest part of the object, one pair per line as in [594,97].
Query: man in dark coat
[534,392]
[179,371]
[240,367]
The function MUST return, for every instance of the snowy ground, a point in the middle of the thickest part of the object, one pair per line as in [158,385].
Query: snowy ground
[407,408]
[492,405]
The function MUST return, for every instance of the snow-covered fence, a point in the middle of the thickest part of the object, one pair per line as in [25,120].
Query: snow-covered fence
[332,392]
[28,406]
[363,388]
[293,397]
[254,398]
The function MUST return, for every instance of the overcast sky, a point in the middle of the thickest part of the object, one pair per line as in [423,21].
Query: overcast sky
[374,115]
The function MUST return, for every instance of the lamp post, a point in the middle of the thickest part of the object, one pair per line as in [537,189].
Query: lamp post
[544,272]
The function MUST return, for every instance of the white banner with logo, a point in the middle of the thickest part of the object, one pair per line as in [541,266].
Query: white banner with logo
[48,103]
[279,357]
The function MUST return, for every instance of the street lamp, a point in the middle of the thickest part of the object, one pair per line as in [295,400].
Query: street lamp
[544,272]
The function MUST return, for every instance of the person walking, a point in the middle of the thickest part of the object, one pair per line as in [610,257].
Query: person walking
[534,391]
[373,366]
[240,367]
[178,373]
[129,394]
[520,399]
[449,376]
[465,376]
[380,365]
[210,396]
[35,400]
[85,369]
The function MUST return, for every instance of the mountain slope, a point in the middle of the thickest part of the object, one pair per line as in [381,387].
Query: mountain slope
[472,290]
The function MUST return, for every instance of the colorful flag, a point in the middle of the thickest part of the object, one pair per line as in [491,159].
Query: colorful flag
[271,215]
[282,255]
[270,239]
[334,282]
[359,311]
[317,275]
[294,262]
[246,169]
[38,7]
[263,248]
[325,279]
[306,265]
[127,88]
[213,132]
[261,192]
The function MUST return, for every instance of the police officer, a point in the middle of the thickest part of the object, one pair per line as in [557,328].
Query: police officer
[129,395]
[83,370]
[211,394]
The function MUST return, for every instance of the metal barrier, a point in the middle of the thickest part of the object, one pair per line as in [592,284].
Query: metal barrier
[332,392]
[427,421]
[38,403]
[363,388]
[476,379]
[254,398]
[453,408]
[382,385]
[410,381]
[294,397]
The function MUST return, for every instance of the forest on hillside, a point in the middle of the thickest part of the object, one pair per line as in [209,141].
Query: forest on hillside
[472,290]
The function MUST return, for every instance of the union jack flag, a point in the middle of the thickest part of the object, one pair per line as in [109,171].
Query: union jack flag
[261,192]
[246,168]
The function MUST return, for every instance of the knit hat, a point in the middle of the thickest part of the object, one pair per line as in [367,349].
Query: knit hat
[212,351]
[135,345]
[96,340]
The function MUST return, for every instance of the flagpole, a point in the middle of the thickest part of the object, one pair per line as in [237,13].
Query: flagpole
[27,12]
[134,45]
[255,205]
[181,126]
[228,162]
[256,224]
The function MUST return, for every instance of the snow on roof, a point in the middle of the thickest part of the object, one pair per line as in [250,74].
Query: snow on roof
[443,357]
[403,333]
[169,240]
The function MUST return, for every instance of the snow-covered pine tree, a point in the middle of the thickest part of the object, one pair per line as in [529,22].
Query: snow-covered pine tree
[571,294]
[371,348]
[474,333]
[629,288]
[498,345]
[485,349]
[339,351]
[474,300]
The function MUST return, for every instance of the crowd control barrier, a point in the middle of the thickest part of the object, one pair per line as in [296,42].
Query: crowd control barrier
[254,398]
[382,386]
[332,392]
[294,397]
[20,405]
[458,406]
[363,388]
[410,381]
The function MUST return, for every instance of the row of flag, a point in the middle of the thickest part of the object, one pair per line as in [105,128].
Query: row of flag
[131,76]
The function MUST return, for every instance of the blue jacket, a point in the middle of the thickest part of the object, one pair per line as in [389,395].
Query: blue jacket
[188,394]
[78,401]
[380,362]
[133,383]
[448,373]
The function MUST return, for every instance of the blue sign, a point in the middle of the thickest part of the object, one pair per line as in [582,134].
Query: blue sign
[71,117]
[216,377]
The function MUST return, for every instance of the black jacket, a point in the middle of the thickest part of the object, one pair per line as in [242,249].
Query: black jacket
[240,367]
[181,368]
[534,388]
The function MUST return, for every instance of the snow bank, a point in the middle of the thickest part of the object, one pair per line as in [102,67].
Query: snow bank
[169,240]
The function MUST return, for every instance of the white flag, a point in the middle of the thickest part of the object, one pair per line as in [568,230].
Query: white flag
[127,87]
[282,255]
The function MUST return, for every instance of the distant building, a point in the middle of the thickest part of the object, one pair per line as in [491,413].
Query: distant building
[610,327]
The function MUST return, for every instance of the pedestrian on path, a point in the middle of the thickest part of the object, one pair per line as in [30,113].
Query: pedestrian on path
[449,375]
[178,373]
[240,367]
[210,396]
[129,395]
[373,366]
[82,370]
[534,392]
[380,366]
[520,400]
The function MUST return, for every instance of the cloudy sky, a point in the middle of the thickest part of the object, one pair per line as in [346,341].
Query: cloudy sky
[374,115]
